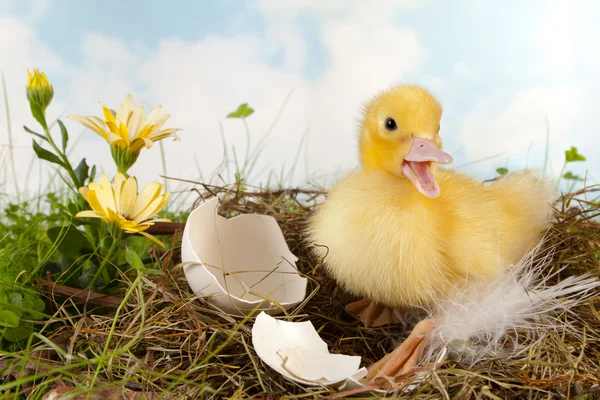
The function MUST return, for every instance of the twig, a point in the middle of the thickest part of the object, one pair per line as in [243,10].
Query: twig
[80,295]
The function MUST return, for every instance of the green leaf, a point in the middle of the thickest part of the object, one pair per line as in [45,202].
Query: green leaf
[502,171]
[35,133]
[153,271]
[572,176]
[93,173]
[572,155]
[81,172]
[242,111]
[38,305]
[18,333]
[8,319]
[64,134]
[38,114]
[73,243]
[16,298]
[46,155]
[134,260]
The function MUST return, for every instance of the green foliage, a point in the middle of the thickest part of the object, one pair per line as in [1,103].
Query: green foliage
[45,154]
[82,171]
[134,260]
[572,155]
[69,241]
[38,114]
[34,133]
[502,171]
[22,254]
[572,176]
[242,111]
[64,134]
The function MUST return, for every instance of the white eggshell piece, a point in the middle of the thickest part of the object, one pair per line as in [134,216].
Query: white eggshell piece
[295,350]
[241,263]
[315,365]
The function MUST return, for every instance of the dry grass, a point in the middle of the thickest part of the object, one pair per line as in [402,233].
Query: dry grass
[185,349]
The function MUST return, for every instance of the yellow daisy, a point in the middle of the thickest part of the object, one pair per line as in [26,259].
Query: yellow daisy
[122,205]
[128,130]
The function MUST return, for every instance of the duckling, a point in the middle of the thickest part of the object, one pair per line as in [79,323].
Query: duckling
[401,230]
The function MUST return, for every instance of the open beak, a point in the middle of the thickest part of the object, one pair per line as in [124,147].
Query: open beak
[416,166]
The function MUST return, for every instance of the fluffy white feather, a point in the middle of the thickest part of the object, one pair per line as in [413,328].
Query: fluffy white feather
[508,316]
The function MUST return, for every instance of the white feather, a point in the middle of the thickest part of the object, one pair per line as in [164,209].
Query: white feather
[508,316]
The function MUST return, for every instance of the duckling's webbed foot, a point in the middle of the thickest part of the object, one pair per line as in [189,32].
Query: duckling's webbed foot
[374,314]
[405,358]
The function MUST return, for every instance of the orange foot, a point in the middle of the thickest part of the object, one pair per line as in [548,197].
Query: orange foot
[405,358]
[374,314]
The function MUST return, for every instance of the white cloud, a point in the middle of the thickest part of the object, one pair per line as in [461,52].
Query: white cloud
[35,8]
[521,122]
[38,7]
[462,71]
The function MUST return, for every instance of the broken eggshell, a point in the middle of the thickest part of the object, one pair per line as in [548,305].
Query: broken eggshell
[240,264]
[295,350]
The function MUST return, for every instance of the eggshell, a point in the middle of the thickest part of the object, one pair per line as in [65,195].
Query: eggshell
[240,263]
[295,350]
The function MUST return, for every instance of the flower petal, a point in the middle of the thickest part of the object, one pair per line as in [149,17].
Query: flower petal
[135,123]
[145,132]
[89,214]
[132,227]
[155,240]
[112,127]
[145,197]
[160,120]
[108,114]
[153,208]
[96,204]
[84,192]
[108,195]
[159,220]
[88,123]
[119,182]
[123,113]
[130,103]
[154,114]
[128,197]
[165,133]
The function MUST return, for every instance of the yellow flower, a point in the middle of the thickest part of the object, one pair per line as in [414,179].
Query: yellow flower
[39,89]
[128,130]
[122,205]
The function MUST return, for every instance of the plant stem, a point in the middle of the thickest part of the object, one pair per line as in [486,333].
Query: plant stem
[547,146]
[163,158]
[560,175]
[101,269]
[246,157]
[11,150]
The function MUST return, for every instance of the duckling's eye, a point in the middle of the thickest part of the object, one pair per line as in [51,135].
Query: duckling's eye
[390,124]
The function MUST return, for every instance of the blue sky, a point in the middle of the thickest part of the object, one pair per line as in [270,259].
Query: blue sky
[499,68]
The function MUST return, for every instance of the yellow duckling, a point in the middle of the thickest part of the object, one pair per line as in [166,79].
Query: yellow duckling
[401,231]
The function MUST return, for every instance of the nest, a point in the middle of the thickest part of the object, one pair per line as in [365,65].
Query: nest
[172,345]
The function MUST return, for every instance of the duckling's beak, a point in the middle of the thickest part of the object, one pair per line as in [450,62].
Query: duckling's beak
[417,162]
